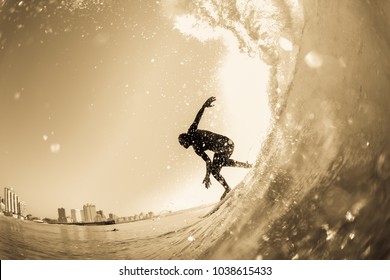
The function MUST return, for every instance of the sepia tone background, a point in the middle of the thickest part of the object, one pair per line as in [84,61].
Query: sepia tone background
[93,97]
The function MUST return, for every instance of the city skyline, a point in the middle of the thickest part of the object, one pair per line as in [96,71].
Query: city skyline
[13,205]
[92,103]
[89,214]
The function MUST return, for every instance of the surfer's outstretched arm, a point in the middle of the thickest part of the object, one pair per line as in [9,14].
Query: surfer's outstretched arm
[208,103]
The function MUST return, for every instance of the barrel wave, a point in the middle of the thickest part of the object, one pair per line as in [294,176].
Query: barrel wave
[320,187]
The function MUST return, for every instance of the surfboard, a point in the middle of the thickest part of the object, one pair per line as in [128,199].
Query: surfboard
[218,205]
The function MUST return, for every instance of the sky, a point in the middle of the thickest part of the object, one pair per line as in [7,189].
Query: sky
[94,96]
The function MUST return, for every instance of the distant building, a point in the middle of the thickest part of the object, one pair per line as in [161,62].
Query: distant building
[120,220]
[150,215]
[102,216]
[89,213]
[82,215]
[100,212]
[8,199]
[62,215]
[76,215]
[22,209]
[11,202]
[112,217]
[15,203]
[98,218]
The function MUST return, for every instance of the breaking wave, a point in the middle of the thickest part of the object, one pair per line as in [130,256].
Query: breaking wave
[320,188]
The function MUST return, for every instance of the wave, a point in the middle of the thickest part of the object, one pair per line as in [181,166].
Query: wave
[320,188]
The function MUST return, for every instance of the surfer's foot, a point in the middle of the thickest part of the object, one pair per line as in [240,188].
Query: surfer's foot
[244,164]
[225,193]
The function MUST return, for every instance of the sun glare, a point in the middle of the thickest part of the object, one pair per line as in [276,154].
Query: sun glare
[243,82]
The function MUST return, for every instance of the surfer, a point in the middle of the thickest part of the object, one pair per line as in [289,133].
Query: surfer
[222,146]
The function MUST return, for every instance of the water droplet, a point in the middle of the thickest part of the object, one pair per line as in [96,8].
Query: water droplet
[55,148]
[330,234]
[285,44]
[259,257]
[191,238]
[314,59]
[17,95]
[367,252]
[349,217]
[383,166]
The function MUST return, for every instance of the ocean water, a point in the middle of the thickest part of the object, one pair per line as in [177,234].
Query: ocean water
[147,239]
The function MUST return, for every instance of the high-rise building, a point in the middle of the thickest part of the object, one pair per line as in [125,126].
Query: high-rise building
[82,215]
[11,201]
[89,212]
[101,215]
[62,215]
[112,216]
[12,206]
[7,199]
[76,215]
[22,206]
[15,202]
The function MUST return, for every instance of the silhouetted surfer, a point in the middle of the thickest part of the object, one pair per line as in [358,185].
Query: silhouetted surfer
[222,146]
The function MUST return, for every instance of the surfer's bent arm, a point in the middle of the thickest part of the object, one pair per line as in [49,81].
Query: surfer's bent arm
[194,125]
[206,158]
[206,180]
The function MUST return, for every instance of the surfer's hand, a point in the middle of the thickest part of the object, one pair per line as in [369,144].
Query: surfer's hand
[207,182]
[209,102]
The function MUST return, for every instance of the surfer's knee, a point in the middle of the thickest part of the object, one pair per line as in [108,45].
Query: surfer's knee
[215,169]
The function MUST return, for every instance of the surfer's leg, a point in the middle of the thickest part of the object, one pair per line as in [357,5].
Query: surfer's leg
[216,169]
[225,160]
[233,163]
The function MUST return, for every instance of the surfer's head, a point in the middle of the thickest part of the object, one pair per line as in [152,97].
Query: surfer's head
[184,140]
